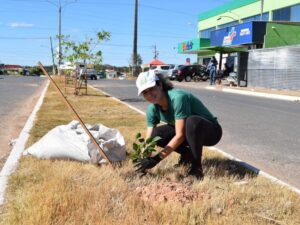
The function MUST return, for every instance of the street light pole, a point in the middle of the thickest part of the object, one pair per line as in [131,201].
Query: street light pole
[134,55]
[261,9]
[59,39]
[59,5]
[53,63]
[220,17]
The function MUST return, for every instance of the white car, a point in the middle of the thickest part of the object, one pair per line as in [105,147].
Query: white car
[163,69]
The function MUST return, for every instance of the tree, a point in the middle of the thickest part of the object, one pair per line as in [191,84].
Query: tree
[84,51]
[139,62]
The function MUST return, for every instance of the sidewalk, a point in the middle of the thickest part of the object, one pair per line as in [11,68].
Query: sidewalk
[259,92]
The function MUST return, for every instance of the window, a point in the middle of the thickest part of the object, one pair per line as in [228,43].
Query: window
[295,13]
[265,17]
[228,24]
[165,67]
[206,33]
[282,14]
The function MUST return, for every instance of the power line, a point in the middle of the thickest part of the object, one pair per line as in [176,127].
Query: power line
[24,38]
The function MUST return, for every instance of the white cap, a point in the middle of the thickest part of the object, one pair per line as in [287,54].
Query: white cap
[146,80]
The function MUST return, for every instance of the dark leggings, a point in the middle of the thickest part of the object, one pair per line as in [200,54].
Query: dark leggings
[198,132]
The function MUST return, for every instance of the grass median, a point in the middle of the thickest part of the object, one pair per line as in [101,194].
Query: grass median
[68,192]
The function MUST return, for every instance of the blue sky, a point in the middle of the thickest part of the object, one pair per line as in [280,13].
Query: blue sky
[26,25]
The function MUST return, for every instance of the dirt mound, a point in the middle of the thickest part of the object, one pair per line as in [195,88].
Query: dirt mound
[164,191]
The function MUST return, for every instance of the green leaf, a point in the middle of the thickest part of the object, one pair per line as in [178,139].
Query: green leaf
[151,149]
[141,140]
[156,139]
[135,146]
[138,135]
[149,140]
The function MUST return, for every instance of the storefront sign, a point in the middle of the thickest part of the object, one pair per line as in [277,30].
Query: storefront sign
[187,46]
[246,33]
[192,46]
[229,38]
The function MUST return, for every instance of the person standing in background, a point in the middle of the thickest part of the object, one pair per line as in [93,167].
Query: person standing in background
[212,66]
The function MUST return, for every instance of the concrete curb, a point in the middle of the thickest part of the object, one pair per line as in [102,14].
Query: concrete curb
[256,94]
[256,170]
[15,154]
[118,100]
[246,165]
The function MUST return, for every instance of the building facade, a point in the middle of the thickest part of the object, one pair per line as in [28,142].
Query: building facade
[238,12]
[244,25]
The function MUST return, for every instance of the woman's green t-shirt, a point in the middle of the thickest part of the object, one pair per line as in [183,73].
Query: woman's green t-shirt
[181,105]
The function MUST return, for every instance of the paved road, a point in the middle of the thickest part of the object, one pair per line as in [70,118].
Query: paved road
[259,131]
[18,96]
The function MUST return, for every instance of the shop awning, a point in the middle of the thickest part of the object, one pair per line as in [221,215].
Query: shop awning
[225,49]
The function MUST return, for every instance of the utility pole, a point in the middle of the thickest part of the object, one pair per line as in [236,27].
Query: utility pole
[53,63]
[134,66]
[261,9]
[59,39]
[155,52]
[60,6]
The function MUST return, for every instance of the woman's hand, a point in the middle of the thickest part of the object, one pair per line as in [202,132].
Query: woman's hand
[177,140]
[147,163]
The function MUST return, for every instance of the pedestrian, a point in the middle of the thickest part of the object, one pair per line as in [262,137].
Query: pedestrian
[189,124]
[212,66]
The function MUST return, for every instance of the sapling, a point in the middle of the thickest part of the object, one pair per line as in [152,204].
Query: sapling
[143,148]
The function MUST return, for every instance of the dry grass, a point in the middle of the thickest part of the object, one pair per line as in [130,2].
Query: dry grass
[64,192]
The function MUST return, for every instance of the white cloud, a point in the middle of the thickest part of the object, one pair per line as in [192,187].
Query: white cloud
[20,25]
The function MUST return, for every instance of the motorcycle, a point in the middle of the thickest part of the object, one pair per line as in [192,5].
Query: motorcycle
[202,75]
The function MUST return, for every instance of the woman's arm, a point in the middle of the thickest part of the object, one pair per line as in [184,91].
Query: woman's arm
[176,140]
[149,132]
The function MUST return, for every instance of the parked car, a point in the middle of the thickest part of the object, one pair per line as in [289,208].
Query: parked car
[192,72]
[101,75]
[174,71]
[163,69]
[121,76]
[90,73]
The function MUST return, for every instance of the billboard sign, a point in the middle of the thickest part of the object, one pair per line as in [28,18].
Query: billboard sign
[246,33]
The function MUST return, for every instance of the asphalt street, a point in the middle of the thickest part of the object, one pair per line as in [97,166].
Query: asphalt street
[18,96]
[262,132]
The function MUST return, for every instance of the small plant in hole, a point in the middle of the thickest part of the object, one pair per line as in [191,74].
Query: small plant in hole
[143,148]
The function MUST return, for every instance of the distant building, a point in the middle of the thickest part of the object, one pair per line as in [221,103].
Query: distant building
[11,69]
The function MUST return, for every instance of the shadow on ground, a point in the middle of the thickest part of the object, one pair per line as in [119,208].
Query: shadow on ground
[132,100]
[219,167]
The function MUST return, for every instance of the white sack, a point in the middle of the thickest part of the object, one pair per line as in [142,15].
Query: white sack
[71,142]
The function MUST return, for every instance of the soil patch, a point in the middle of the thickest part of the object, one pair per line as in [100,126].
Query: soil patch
[169,191]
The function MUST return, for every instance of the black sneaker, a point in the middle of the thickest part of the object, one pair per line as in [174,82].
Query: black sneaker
[196,172]
[183,161]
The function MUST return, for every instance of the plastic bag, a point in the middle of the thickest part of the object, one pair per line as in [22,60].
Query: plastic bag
[71,142]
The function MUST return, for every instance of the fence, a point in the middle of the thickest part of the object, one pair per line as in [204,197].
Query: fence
[277,68]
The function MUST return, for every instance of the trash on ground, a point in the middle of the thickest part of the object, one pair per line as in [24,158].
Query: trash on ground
[12,142]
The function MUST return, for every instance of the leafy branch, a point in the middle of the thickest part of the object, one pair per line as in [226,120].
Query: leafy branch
[143,148]
[84,51]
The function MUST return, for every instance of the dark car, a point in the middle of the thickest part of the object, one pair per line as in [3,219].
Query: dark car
[192,72]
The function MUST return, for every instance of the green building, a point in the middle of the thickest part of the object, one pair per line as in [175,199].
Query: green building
[258,40]
[279,26]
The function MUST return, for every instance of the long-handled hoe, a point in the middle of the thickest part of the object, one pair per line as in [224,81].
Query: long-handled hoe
[76,114]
